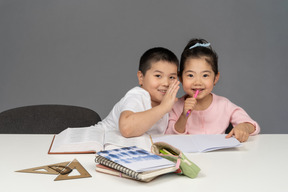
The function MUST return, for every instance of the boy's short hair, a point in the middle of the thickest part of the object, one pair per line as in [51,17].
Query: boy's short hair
[154,55]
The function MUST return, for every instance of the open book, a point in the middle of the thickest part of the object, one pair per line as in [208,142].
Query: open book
[92,140]
[198,143]
[134,163]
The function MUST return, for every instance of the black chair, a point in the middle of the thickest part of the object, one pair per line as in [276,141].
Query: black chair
[45,119]
[229,128]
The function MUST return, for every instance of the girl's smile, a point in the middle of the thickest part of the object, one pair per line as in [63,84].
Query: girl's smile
[198,75]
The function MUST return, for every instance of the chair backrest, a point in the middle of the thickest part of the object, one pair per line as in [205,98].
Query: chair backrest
[46,119]
[229,128]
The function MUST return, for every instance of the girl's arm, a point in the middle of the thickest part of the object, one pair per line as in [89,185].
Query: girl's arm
[180,125]
[242,131]
[244,125]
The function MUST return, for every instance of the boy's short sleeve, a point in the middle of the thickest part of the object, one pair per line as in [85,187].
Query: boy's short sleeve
[136,101]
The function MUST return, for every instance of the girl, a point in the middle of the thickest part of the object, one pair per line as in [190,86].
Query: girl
[200,111]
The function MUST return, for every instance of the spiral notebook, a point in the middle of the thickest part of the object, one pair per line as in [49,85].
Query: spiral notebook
[136,163]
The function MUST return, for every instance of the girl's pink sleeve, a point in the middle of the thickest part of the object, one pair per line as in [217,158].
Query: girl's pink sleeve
[173,117]
[239,115]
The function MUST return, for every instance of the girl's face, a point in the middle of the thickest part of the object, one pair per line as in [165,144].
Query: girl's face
[198,75]
[157,80]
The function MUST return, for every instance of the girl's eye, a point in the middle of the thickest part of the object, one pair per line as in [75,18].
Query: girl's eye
[190,75]
[206,75]
[172,77]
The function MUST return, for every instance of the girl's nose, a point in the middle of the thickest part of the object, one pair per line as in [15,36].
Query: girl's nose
[197,81]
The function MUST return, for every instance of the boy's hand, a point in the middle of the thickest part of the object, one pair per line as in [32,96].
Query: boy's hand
[241,131]
[189,104]
[170,97]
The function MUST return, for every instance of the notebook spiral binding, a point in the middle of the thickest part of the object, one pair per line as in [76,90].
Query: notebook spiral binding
[104,161]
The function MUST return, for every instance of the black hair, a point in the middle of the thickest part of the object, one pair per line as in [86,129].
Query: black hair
[208,53]
[156,54]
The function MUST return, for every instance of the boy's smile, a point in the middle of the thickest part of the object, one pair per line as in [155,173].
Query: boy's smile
[163,91]
[157,80]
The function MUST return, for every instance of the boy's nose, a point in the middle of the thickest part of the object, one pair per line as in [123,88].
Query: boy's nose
[166,82]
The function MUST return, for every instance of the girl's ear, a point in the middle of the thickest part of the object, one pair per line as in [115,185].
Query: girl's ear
[140,77]
[216,78]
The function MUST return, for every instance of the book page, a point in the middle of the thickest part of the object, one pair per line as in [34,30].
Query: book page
[184,143]
[78,140]
[214,142]
[114,139]
[198,143]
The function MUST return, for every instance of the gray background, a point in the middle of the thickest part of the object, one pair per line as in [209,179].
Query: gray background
[86,52]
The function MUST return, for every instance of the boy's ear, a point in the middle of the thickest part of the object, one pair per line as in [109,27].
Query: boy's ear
[140,77]
[216,78]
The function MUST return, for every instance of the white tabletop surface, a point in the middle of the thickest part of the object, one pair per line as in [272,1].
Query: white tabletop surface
[260,164]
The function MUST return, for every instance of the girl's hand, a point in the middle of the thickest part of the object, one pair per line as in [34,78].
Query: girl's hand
[189,104]
[242,131]
[170,97]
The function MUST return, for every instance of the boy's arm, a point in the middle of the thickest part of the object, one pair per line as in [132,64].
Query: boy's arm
[136,124]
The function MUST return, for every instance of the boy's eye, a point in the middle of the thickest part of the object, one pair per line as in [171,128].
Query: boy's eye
[158,76]
[189,75]
[172,77]
[206,75]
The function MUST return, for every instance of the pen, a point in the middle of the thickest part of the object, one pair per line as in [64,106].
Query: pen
[167,152]
[189,111]
[164,152]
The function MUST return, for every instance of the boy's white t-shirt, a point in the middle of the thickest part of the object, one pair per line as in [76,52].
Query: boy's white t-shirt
[136,99]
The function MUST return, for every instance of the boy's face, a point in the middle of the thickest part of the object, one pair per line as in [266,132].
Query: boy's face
[157,80]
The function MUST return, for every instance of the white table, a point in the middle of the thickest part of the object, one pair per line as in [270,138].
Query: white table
[261,165]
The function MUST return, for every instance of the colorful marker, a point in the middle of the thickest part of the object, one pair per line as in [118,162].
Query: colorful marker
[195,95]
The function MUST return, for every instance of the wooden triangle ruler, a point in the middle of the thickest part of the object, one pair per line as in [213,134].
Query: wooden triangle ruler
[74,165]
[46,169]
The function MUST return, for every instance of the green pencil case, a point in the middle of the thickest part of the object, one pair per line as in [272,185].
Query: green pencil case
[171,153]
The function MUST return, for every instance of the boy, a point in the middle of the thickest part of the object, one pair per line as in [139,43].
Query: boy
[145,109]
